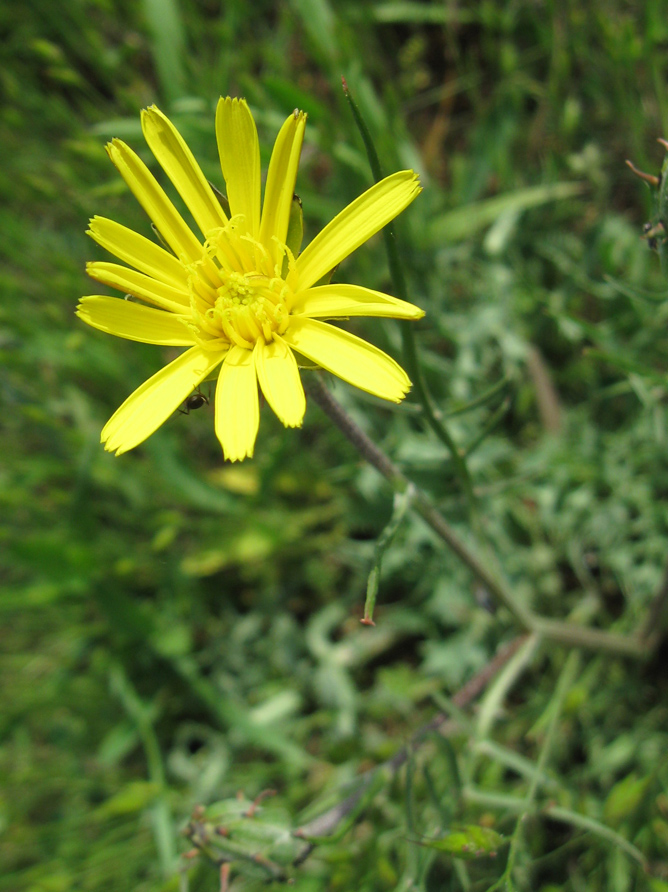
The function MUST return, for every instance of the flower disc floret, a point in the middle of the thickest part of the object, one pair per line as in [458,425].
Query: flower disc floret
[236,296]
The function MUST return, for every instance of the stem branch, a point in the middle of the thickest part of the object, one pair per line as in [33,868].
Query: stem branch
[551,629]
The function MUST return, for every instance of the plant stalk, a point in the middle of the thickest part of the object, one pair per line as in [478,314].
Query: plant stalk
[554,630]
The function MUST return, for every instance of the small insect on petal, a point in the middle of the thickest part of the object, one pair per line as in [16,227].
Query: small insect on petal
[195,401]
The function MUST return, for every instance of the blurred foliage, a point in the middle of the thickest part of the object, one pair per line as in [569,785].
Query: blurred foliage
[175,630]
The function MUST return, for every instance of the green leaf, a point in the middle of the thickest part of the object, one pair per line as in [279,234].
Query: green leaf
[638,293]
[466,221]
[432,13]
[469,842]
[625,797]
[132,798]
[319,22]
[163,18]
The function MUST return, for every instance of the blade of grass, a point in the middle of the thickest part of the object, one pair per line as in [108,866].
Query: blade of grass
[566,680]
[142,715]
[164,21]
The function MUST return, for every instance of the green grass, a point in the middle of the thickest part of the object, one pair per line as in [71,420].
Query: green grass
[175,630]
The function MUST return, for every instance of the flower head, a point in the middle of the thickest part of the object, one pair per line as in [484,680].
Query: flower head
[238,297]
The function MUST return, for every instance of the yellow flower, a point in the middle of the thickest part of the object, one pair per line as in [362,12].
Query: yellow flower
[238,297]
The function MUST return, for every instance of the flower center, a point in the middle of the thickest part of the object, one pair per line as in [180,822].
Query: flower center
[237,293]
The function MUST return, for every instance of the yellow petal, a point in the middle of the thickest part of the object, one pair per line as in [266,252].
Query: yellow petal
[151,196]
[355,224]
[237,405]
[280,382]
[139,252]
[139,285]
[239,151]
[280,186]
[179,164]
[341,301]
[134,321]
[356,361]
[152,403]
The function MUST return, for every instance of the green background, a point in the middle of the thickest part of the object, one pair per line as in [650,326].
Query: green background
[175,629]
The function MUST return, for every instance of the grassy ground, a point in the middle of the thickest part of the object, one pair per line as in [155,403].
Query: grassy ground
[175,629]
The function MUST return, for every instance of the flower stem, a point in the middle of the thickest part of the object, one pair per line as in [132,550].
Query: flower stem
[554,630]
[409,346]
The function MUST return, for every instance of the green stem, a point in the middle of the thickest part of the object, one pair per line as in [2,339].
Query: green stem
[492,704]
[495,390]
[517,763]
[517,805]
[160,810]
[401,504]
[589,824]
[573,635]
[566,679]
[494,420]
[409,346]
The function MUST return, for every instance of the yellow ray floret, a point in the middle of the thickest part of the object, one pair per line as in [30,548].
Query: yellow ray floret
[239,150]
[236,296]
